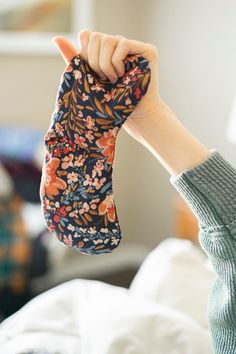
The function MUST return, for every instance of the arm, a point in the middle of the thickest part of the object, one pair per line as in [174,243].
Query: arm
[202,176]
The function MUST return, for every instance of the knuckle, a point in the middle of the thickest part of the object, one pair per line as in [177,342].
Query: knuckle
[123,42]
[153,49]
[107,39]
[95,35]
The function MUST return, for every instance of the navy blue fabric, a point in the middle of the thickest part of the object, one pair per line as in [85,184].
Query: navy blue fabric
[76,187]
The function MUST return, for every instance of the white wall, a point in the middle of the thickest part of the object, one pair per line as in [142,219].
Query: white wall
[197,48]
[196,42]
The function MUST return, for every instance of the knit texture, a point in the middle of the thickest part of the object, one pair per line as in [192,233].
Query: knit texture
[210,191]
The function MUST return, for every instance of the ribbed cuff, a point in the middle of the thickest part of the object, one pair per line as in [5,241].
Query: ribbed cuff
[210,190]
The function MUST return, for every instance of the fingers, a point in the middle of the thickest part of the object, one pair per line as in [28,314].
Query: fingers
[83,42]
[93,51]
[106,53]
[66,48]
[108,66]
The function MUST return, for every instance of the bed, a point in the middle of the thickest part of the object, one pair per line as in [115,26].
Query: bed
[164,311]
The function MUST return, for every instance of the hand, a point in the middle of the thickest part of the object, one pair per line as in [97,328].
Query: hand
[106,54]
[152,122]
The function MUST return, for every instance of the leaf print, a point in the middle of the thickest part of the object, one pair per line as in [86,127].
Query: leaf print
[104,121]
[86,85]
[76,184]
[109,111]
[99,105]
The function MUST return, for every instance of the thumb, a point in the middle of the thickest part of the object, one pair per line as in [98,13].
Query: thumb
[66,48]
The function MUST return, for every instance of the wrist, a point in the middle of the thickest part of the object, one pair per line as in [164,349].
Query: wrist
[169,141]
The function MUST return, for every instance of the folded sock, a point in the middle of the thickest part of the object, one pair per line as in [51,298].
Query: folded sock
[76,185]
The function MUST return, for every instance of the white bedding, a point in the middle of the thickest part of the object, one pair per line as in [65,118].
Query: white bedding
[163,312]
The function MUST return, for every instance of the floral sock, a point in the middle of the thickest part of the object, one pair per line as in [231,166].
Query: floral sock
[76,184]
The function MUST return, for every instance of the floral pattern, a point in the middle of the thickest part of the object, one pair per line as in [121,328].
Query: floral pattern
[76,185]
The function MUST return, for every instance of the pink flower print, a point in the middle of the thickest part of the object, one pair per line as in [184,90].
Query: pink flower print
[126,79]
[83,230]
[93,203]
[90,78]
[84,97]
[80,114]
[89,135]
[79,161]
[77,61]
[80,140]
[73,214]
[114,241]
[104,230]
[89,122]
[110,96]
[46,204]
[72,177]
[84,208]
[67,161]
[88,181]
[99,183]
[97,88]
[59,129]
[128,101]
[96,242]
[77,74]
[92,230]
[68,240]
[71,227]
[98,169]
[50,134]
[134,71]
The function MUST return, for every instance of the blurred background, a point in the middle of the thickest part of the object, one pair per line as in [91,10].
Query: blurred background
[197,72]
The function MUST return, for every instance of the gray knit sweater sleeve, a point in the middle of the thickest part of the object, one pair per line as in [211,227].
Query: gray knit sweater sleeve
[210,191]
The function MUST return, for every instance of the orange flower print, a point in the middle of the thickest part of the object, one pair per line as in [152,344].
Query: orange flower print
[107,206]
[89,135]
[84,208]
[68,240]
[84,97]
[51,184]
[76,184]
[90,78]
[77,74]
[107,143]
[89,122]
[79,161]
[126,79]
[80,140]
[72,177]
[88,180]
[97,87]
[93,203]
[99,183]
[98,168]
[134,72]
[67,161]
[110,95]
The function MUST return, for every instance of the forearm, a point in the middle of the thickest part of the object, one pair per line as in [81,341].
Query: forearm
[170,142]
